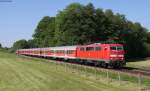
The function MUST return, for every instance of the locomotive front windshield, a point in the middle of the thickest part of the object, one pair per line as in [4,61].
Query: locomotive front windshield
[116,48]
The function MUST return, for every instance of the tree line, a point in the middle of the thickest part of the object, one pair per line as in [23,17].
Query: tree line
[81,24]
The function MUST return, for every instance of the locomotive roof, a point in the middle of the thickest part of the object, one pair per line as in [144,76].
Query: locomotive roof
[70,47]
[98,44]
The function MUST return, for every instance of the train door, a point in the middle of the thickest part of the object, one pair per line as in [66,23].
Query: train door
[105,53]
[90,52]
[98,52]
[81,52]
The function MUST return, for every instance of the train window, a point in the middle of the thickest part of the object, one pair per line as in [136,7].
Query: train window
[113,48]
[70,51]
[119,48]
[46,51]
[62,51]
[67,51]
[52,51]
[98,48]
[116,48]
[57,51]
[90,49]
[81,49]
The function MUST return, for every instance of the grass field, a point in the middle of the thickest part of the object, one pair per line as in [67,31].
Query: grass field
[23,74]
[141,64]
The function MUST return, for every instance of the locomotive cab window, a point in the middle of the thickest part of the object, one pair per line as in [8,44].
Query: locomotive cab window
[119,47]
[113,48]
[116,48]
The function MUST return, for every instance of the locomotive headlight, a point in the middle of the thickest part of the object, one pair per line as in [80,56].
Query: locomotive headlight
[120,55]
[114,55]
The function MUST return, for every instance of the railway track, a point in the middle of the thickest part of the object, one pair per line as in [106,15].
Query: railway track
[135,72]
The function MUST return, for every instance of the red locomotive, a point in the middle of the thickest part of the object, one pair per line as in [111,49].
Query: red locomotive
[97,53]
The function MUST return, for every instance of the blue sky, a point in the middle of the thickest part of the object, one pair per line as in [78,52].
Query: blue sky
[19,18]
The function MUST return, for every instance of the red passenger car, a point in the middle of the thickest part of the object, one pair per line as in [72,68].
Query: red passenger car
[97,53]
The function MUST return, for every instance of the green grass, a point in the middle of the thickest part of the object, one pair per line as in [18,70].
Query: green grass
[32,74]
[22,74]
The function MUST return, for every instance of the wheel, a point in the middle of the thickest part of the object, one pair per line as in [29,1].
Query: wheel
[104,65]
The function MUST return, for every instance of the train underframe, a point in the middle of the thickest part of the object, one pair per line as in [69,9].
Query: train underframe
[104,63]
